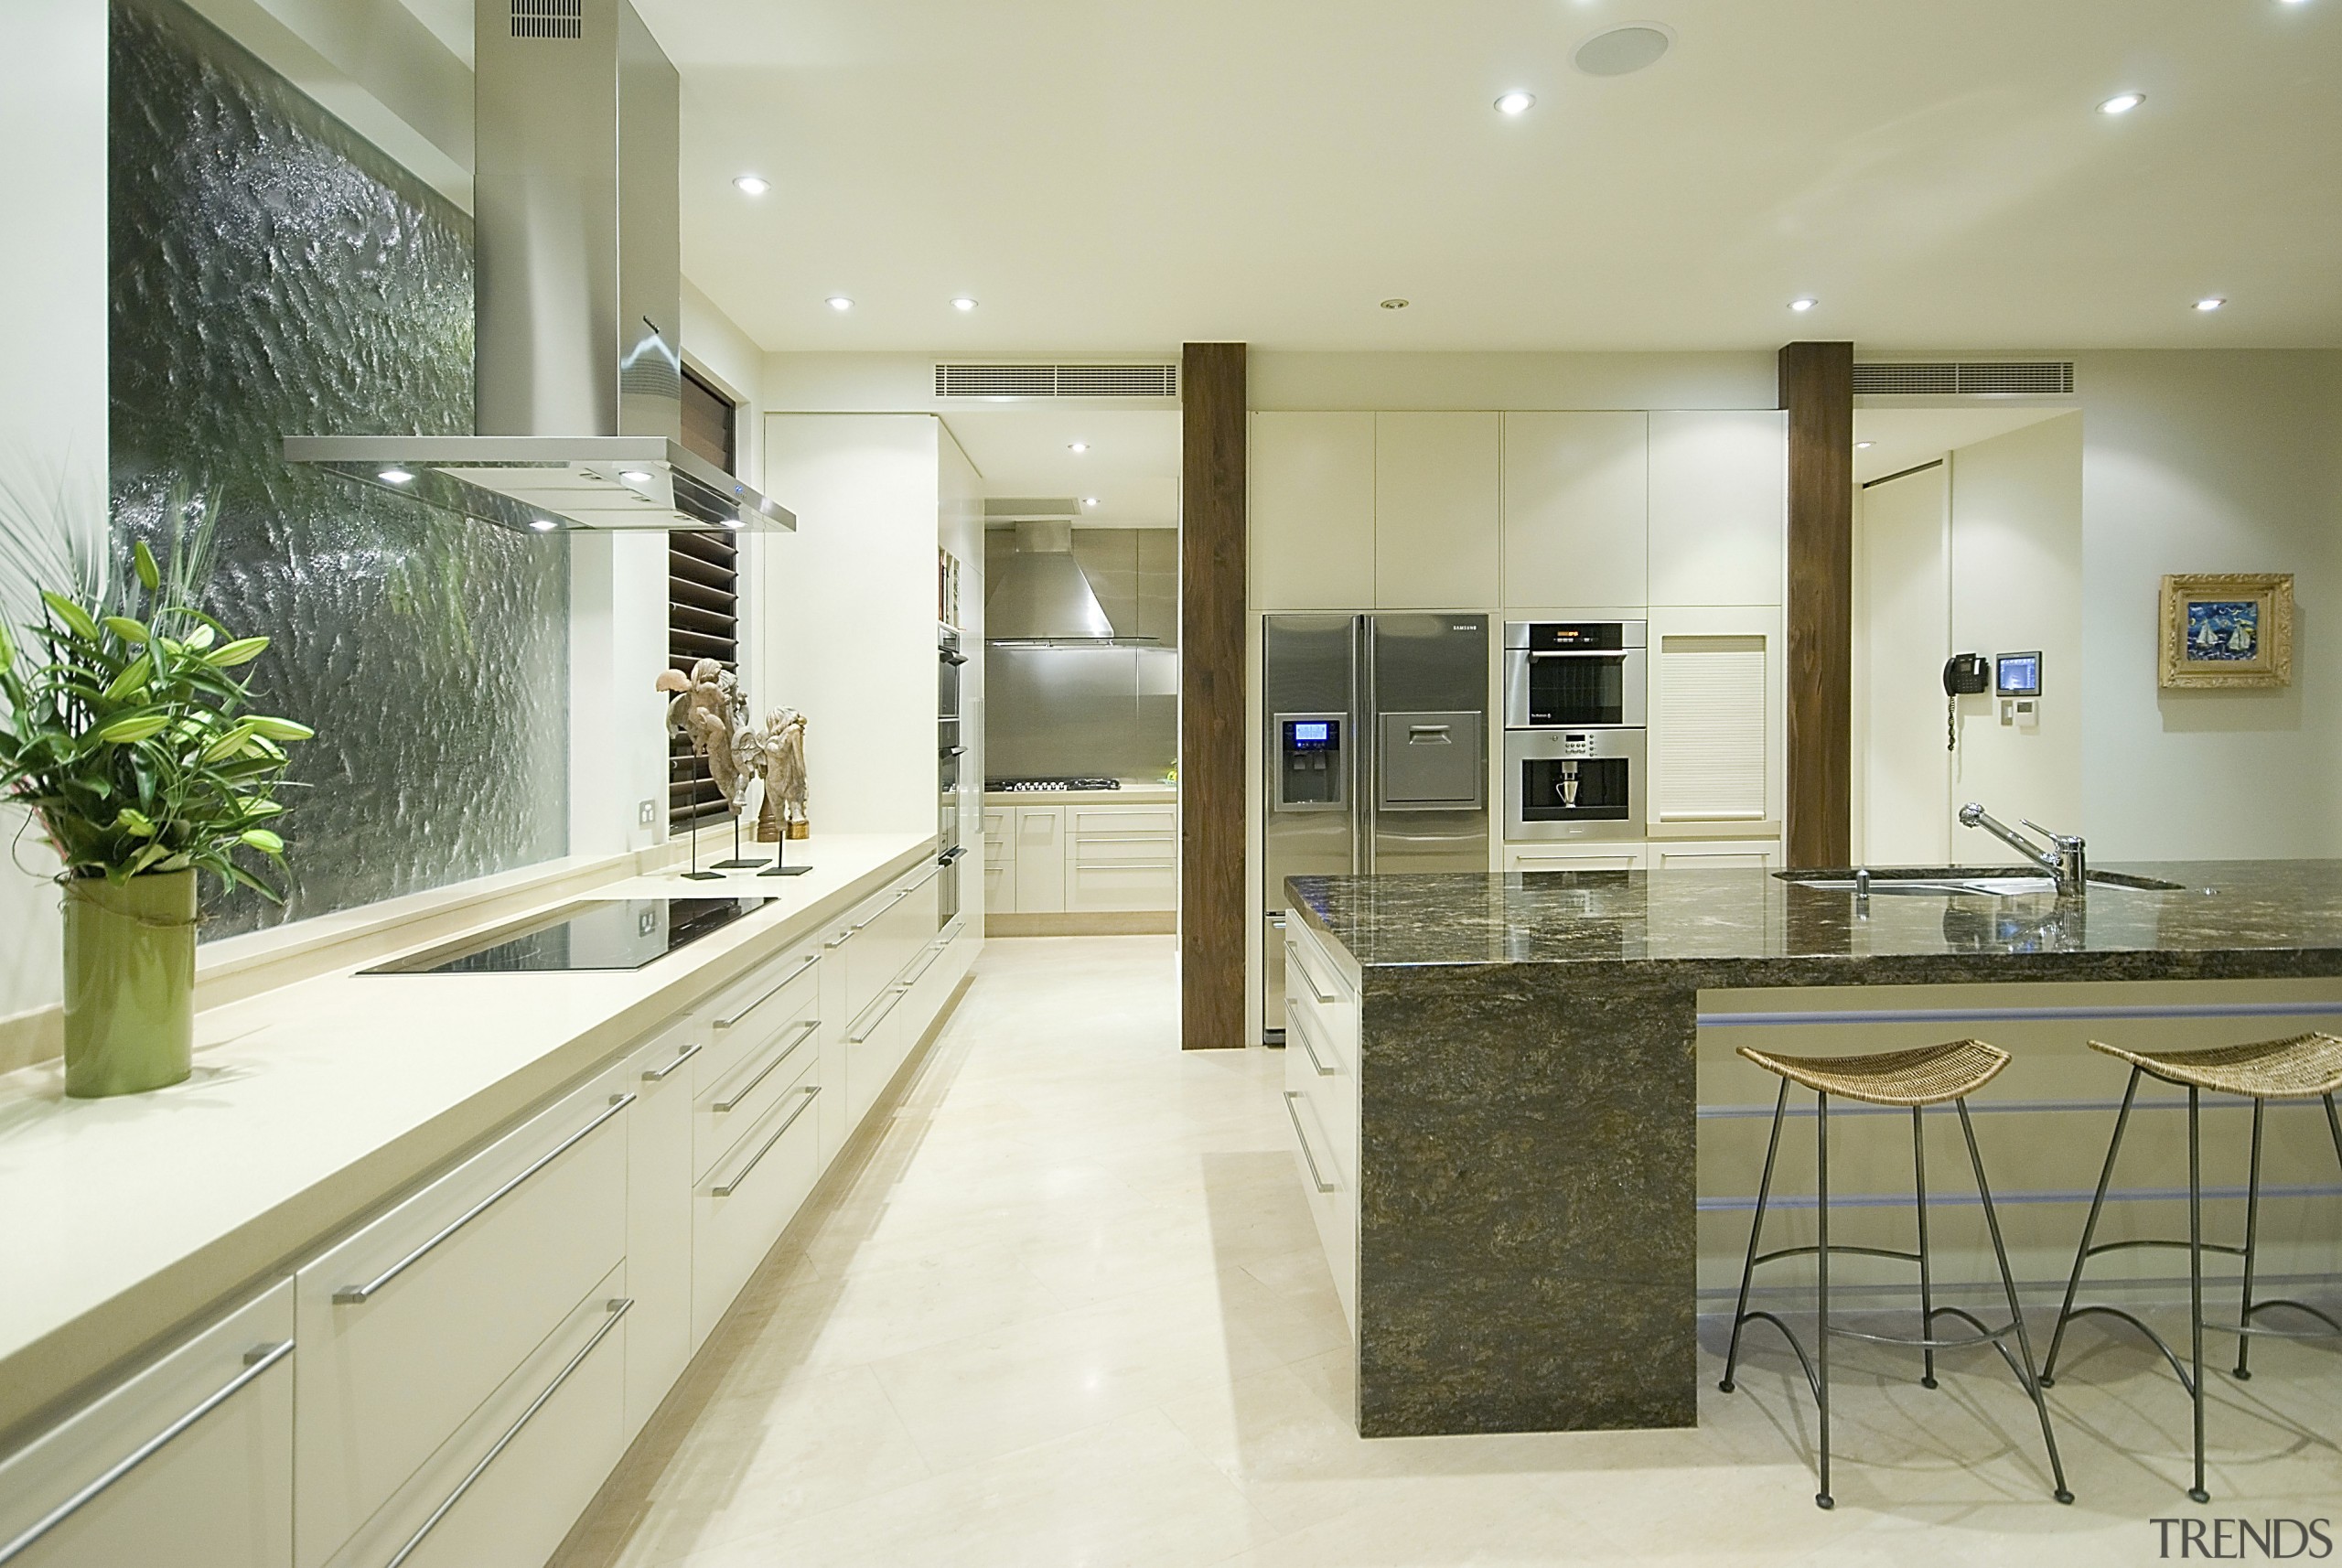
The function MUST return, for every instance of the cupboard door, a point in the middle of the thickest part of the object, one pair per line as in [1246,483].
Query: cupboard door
[1577,511]
[1715,724]
[1311,511]
[659,1217]
[187,1462]
[1719,507]
[1040,860]
[1437,509]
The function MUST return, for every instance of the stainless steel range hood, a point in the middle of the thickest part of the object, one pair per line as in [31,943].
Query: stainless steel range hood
[578,349]
[1040,598]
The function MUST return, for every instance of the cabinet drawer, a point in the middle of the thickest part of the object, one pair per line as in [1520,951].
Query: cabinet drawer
[998,825]
[1136,886]
[658,1221]
[1758,855]
[188,1461]
[408,1325]
[1316,987]
[741,1208]
[1114,820]
[506,1488]
[1126,849]
[724,1115]
[1000,888]
[1324,1159]
[747,1015]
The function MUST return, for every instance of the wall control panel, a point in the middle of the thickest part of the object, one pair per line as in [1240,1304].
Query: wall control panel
[2017,681]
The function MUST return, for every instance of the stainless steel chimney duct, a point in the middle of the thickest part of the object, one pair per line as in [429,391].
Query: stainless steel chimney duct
[577,351]
[1040,598]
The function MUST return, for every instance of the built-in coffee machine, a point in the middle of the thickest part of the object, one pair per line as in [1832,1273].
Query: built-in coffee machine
[1576,696]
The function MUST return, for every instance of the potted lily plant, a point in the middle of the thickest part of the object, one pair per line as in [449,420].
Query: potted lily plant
[126,732]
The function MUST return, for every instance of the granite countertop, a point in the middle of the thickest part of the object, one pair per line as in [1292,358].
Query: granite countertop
[2264,907]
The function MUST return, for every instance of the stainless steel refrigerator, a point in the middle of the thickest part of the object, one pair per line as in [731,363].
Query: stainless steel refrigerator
[1377,755]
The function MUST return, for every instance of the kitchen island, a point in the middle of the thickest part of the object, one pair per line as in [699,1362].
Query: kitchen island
[1500,1086]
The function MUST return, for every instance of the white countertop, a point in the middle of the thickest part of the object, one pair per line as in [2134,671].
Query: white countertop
[1133,792]
[121,1219]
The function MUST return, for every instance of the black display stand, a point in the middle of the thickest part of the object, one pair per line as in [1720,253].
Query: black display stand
[738,861]
[695,874]
[780,866]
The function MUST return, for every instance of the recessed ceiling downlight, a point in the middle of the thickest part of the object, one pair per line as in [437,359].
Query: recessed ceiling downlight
[1803,304]
[1622,51]
[1516,103]
[753,185]
[2209,304]
[2122,103]
[840,302]
[963,304]
[1394,302]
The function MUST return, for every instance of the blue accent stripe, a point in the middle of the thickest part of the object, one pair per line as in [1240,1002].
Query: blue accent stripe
[2024,1015]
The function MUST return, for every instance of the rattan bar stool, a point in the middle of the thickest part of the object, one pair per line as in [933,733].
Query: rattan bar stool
[1930,1075]
[2305,1067]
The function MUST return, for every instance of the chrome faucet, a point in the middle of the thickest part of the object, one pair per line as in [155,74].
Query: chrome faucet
[2066,859]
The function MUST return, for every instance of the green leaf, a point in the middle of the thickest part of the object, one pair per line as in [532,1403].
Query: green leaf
[243,650]
[136,824]
[229,744]
[149,574]
[147,857]
[280,729]
[75,617]
[263,840]
[200,638]
[7,650]
[126,729]
[132,678]
[131,632]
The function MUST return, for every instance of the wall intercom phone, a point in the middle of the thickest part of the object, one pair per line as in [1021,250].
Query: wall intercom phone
[1964,675]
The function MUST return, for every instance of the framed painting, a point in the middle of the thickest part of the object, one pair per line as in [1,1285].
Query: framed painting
[2228,629]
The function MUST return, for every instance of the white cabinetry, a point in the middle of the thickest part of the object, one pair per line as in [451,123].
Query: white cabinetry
[1715,742]
[1436,510]
[1321,1098]
[1312,511]
[1719,507]
[407,1328]
[1575,857]
[659,1215]
[1040,860]
[1121,858]
[188,1462]
[1716,854]
[1576,511]
[1000,860]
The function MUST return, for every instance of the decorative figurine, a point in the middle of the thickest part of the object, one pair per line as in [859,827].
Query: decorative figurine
[781,756]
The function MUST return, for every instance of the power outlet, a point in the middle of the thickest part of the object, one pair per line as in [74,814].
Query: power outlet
[647,815]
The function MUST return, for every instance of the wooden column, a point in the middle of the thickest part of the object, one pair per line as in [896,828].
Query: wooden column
[1816,386]
[1211,696]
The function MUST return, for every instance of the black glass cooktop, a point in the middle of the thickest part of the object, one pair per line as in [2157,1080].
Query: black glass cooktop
[607,933]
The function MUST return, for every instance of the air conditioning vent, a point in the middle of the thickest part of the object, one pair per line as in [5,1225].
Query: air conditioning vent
[548,19]
[1056,380]
[2014,378]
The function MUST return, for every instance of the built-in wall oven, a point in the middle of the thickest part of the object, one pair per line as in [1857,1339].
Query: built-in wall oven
[1574,674]
[1575,698]
[949,751]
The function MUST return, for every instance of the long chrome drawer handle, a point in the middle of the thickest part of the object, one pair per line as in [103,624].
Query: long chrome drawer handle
[729,1187]
[811,960]
[351,1294]
[1322,1184]
[257,1362]
[1293,1019]
[618,1309]
[1293,949]
[894,994]
[804,1032]
[661,1074]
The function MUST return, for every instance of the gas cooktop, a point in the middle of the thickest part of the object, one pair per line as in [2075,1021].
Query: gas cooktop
[603,933]
[1036,786]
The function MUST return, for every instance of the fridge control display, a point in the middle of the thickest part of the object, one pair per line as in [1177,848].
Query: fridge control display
[1310,767]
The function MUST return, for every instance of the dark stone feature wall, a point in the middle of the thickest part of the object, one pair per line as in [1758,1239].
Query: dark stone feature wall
[1528,1107]
[275,274]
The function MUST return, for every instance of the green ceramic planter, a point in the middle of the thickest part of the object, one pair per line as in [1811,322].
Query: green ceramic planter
[129,983]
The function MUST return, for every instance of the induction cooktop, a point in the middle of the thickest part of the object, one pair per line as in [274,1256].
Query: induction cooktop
[595,934]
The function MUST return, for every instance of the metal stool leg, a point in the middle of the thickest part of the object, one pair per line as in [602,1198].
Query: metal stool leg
[1926,1282]
[1822,1324]
[2089,1231]
[2017,1313]
[1756,1230]
[2196,1280]
[2333,1125]
[2252,1238]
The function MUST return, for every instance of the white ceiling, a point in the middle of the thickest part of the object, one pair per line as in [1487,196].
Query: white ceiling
[1099,176]
[1132,465]
[1901,438]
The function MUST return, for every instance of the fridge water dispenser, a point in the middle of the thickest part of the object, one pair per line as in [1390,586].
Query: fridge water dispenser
[1311,765]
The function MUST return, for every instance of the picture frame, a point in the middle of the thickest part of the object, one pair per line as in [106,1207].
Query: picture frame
[2227,629]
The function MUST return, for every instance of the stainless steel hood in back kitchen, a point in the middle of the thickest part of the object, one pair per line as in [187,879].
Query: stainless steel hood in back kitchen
[577,351]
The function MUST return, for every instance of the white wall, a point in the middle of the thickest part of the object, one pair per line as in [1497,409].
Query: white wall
[2210,462]
[845,616]
[2017,585]
[1902,774]
[52,376]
